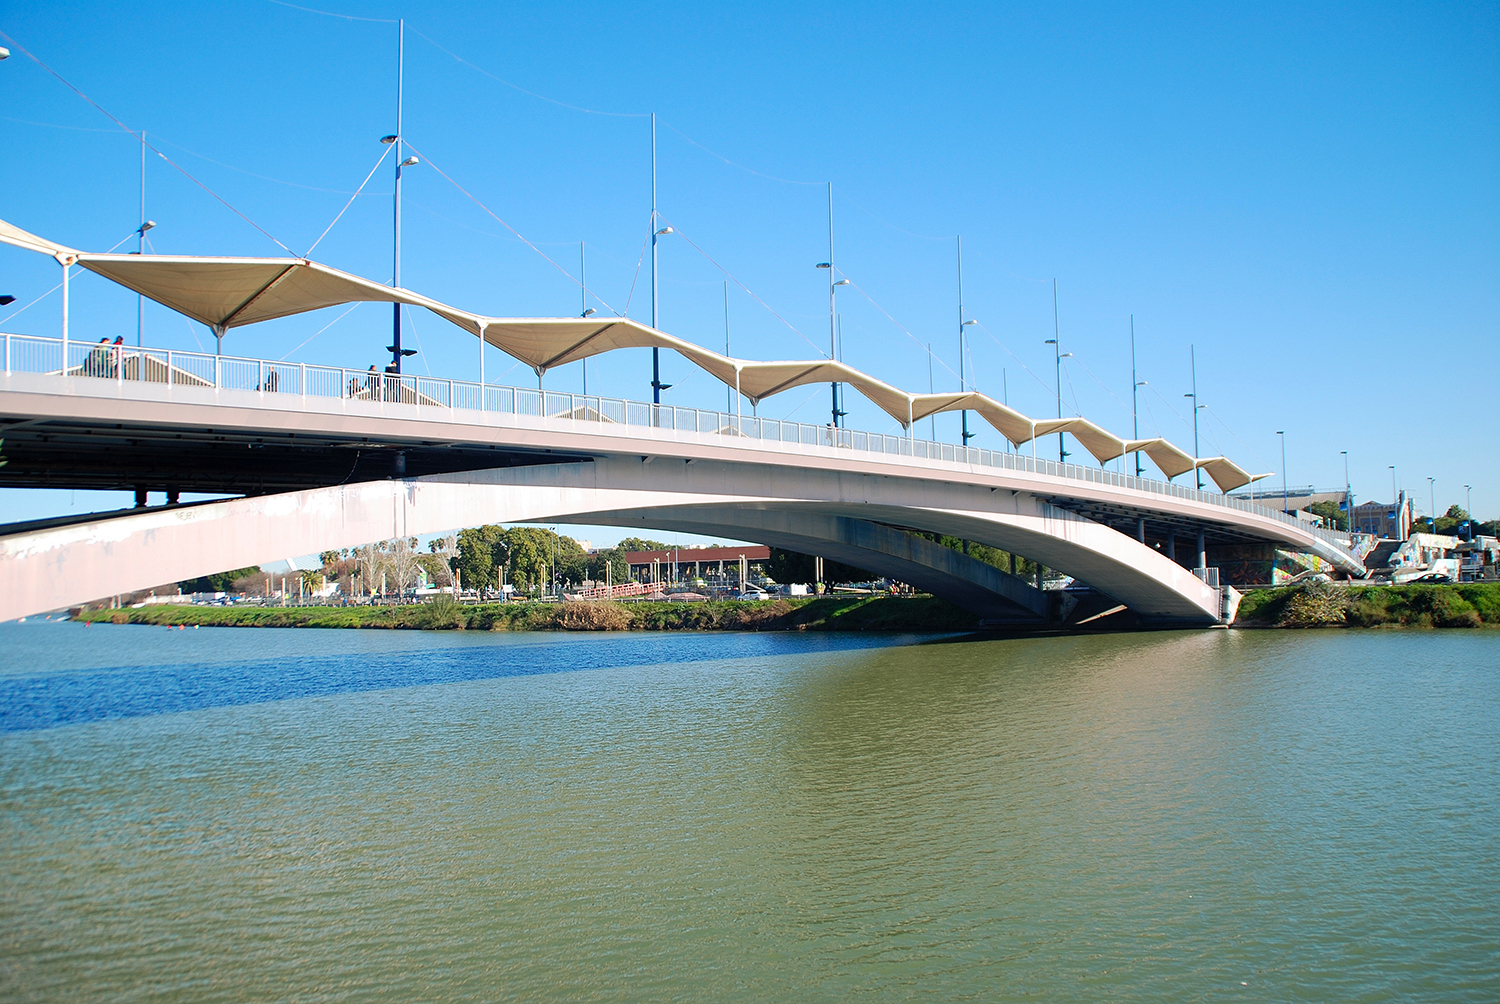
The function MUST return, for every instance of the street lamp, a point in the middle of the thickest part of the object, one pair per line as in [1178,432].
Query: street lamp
[1282,434]
[1197,471]
[1469,507]
[1432,499]
[7,300]
[1062,453]
[140,248]
[1135,410]
[1348,500]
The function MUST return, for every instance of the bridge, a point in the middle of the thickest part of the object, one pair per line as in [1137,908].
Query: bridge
[324,457]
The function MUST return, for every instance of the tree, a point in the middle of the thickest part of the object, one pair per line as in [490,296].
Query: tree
[481,550]
[640,544]
[614,557]
[218,582]
[793,566]
[1332,513]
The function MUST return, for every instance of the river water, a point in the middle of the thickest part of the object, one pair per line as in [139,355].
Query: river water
[267,815]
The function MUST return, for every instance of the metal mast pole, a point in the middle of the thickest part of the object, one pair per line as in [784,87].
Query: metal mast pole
[1062,439]
[396,249]
[583,305]
[656,384]
[728,390]
[140,246]
[833,349]
[963,382]
[1348,495]
[1193,357]
[1135,389]
[1282,434]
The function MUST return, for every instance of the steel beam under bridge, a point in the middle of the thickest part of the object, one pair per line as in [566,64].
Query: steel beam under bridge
[52,568]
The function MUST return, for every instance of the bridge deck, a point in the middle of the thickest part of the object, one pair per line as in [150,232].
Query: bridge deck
[111,417]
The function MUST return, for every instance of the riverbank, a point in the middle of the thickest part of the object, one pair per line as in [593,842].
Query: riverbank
[1474,605]
[816,613]
[1302,606]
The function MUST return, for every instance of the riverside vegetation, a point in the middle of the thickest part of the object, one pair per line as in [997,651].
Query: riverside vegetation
[1303,606]
[1320,604]
[821,613]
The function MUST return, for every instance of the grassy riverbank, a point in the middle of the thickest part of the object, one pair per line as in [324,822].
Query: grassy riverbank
[822,613]
[1322,605]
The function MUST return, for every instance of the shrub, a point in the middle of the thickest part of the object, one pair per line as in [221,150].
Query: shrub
[1316,604]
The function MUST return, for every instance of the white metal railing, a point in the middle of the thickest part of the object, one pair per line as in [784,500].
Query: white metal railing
[171,367]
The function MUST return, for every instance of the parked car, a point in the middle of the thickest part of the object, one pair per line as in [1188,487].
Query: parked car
[1432,577]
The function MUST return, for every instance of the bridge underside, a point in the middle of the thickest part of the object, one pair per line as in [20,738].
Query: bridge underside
[854,518]
[55,452]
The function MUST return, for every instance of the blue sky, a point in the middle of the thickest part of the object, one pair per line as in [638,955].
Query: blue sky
[1306,195]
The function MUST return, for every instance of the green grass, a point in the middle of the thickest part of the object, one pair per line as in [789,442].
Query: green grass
[1443,606]
[822,613]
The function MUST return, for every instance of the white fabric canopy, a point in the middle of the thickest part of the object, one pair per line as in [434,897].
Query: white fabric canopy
[228,293]
[225,293]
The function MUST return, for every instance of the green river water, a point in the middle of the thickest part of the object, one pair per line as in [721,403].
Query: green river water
[262,815]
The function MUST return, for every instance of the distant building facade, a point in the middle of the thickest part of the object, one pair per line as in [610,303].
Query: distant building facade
[1391,521]
[669,565]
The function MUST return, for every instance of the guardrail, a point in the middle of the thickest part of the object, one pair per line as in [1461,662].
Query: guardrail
[171,367]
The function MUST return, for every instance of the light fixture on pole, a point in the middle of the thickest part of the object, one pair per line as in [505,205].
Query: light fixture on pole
[140,248]
[1193,356]
[1348,497]
[1056,342]
[833,341]
[963,336]
[1432,500]
[656,385]
[7,300]
[1057,358]
[1469,507]
[1283,470]
[1135,410]
[395,349]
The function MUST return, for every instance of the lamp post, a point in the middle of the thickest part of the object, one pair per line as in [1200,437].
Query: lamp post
[1348,498]
[656,385]
[140,247]
[583,305]
[1432,500]
[1469,507]
[395,349]
[1135,408]
[1282,434]
[1197,471]
[963,384]
[1395,504]
[1055,342]
[833,345]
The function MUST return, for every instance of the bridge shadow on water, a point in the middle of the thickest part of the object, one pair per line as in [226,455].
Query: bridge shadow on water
[66,674]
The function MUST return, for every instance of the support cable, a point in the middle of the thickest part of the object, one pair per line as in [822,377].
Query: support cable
[507,226]
[361,188]
[68,84]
